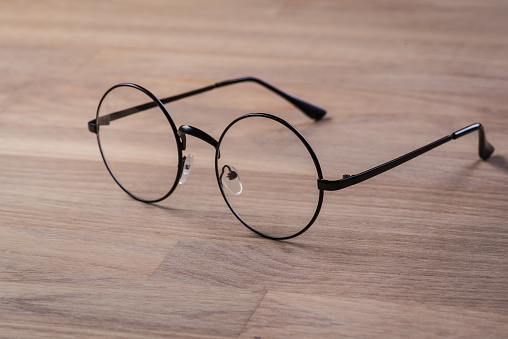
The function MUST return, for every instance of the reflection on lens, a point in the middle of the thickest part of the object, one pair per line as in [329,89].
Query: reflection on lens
[138,145]
[279,195]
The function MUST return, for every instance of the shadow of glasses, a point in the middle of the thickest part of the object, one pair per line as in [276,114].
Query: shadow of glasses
[499,161]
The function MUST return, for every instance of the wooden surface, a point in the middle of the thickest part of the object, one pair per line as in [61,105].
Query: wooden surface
[420,251]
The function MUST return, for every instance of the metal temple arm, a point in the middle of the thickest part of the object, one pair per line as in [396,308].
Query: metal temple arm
[309,109]
[485,149]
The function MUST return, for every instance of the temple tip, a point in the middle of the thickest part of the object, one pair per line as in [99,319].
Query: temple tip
[309,109]
[485,149]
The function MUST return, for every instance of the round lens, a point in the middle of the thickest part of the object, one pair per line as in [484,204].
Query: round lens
[268,176]
[138,142]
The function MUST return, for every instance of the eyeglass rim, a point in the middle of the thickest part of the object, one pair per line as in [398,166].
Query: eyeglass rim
[173,127]
[309,149]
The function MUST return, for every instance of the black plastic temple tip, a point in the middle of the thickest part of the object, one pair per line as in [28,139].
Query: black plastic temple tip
[485,148]
[309,109]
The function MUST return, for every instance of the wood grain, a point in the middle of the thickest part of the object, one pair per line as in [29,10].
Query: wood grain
[420,251]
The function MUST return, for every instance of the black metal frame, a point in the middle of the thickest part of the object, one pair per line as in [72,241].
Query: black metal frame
[307,146]
[485,149]
[155,102]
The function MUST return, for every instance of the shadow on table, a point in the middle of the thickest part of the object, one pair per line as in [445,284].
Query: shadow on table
[499,161]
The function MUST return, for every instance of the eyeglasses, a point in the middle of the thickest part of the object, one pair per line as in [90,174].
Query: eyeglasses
[260,159]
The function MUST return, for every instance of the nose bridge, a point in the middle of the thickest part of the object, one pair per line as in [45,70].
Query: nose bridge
[196,132]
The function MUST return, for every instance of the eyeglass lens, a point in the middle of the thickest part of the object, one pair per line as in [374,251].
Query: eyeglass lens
[140,149]
[267,176]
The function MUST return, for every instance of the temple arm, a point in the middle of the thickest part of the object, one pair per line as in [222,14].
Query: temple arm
[485,149]
[309,109]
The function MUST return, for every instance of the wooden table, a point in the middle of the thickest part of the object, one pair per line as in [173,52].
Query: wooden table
[420,251]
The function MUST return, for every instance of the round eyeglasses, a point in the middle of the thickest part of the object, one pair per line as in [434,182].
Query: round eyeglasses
[259,174]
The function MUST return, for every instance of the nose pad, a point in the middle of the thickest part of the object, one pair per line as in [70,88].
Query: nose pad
[231,180]
[187,165]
